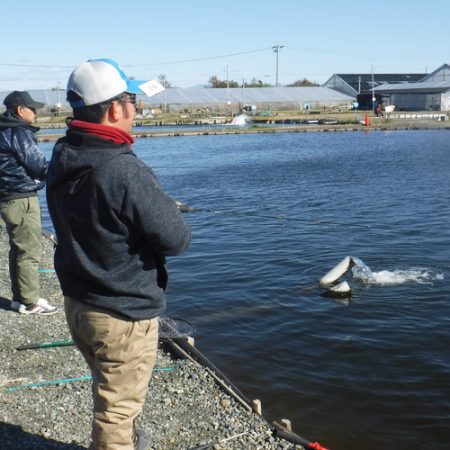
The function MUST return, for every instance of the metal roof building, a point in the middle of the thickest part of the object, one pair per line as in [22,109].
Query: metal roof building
[362,86]
[432,92]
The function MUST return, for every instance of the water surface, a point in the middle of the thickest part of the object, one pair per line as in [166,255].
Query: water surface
[274,213]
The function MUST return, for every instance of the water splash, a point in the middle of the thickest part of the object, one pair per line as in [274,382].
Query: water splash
[241,119]
[361,271]
[418,275]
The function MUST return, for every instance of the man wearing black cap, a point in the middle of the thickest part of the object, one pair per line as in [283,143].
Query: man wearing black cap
[23,169]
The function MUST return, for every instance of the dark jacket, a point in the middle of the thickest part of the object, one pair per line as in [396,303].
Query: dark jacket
[114,226]
[23,167]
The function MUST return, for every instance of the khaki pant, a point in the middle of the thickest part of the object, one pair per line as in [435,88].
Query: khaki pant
[23,224]
[121,355]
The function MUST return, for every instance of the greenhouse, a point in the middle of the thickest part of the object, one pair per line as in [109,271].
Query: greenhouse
[218,99]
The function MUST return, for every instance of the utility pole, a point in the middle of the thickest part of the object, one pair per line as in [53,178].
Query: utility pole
[373,92]
[276,48]
[58,102]
[228,81]
[228,93]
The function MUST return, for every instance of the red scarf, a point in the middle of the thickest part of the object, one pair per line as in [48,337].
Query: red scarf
[103,131]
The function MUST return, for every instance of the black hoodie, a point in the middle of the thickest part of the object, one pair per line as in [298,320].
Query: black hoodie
[114,226]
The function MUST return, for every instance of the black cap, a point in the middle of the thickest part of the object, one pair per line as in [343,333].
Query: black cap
[21,98]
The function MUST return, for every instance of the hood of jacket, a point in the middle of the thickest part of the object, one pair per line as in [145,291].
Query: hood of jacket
[10,120]
[77,155]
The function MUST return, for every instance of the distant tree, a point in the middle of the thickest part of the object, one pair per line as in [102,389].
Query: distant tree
[164,82]
[214,82]
[303,83]
[257,83]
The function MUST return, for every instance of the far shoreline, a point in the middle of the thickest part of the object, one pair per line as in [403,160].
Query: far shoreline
[391,125]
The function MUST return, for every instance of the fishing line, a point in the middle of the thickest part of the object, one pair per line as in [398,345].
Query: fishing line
[186,208]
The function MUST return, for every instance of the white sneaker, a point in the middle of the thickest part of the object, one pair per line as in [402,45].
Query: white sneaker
[41,307]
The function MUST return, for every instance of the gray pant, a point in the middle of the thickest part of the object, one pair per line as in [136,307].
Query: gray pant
[23,224]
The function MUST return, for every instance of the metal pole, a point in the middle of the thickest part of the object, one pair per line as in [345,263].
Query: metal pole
[276,48]
[228,82]
[57,95]
[276,78]
[373,92]
[228,93]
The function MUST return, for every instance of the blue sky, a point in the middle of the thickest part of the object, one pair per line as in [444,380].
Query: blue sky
[188,41]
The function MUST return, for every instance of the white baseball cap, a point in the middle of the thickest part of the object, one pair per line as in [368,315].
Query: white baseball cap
[99,80]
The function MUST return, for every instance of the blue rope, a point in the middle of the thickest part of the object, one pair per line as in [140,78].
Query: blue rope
[71,380]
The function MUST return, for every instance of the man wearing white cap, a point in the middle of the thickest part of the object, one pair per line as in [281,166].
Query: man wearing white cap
[115,227]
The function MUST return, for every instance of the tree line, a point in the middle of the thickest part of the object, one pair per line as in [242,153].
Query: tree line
[215,82]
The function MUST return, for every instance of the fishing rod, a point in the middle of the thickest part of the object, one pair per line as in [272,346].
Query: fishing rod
[284,433]
[72,380]
[45,345]
[189,209]
[184,349]
[169,328]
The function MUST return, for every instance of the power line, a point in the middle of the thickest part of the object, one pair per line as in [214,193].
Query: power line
[36,65]
[365,52]
[275,49]
[204,58]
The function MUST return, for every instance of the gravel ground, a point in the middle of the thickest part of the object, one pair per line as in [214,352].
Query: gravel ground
[185,407]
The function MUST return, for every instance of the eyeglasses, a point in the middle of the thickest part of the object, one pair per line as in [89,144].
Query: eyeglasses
[130,98]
